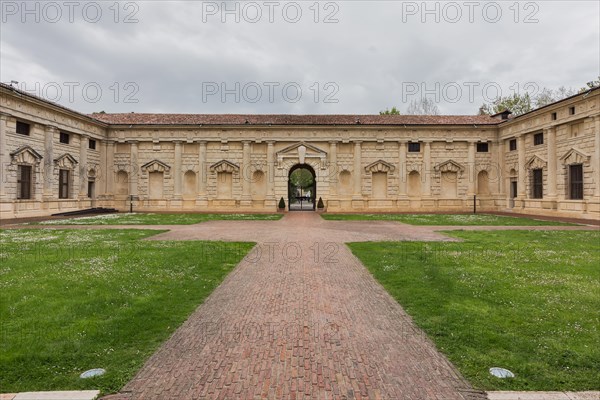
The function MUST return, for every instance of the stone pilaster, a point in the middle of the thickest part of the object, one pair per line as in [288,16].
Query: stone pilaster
[596,166]
[246,174]
[402,176]
[4,156]
[110,168]
[427,169]
[177,173]
[83,166]
[500,167]
[270,170]
[357,171]
[333,170]
[49,134]
[471,170]
[134,168]
[522,185]
[202,199]
[550,134]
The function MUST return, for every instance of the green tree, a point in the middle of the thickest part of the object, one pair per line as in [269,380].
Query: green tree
[393,111]
[517,104]
[302,178]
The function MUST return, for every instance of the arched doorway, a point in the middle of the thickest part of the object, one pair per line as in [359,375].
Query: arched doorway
[302,188]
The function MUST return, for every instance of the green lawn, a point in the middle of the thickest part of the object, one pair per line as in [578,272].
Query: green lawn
[444,219]
[157,219]
[75,300]
[525,301]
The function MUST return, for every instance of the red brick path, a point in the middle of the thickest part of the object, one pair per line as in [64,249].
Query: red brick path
[299,318]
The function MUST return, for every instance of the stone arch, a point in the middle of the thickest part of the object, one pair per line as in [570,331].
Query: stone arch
[122,183]
[258,185]
[483,183]
[414,184]
[345,183]
[189,184]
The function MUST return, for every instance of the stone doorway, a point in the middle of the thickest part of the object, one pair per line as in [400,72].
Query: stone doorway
[302,188]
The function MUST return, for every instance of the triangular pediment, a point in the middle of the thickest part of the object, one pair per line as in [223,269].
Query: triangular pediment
[225,166]
[155,166]
[310,149]
[379,166]
[300,152]
[65,161]
[535,162]
[25,155]
[449,166]
[575,156]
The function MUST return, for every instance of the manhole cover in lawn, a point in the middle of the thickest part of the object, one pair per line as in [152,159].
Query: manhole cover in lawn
[91,373]
[501,373]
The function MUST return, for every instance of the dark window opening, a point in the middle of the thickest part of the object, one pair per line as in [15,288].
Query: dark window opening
[24,182]
[64,138]
[414,147]
[512,144]
[537,184]
[63,184]
[23,128]
[482,147]
[90,190]
[538,139]
[92,144]
[554,116]
[576,182]
[571,110]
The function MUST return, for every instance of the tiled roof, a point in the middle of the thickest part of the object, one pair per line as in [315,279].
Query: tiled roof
[284,119]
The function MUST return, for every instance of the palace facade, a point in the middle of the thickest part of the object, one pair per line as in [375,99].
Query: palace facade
[55,160]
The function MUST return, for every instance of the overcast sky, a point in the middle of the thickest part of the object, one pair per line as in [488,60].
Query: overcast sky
[345,57]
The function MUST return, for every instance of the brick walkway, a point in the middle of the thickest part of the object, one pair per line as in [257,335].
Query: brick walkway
[299,318]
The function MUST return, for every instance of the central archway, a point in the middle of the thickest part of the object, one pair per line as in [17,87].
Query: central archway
[302,188]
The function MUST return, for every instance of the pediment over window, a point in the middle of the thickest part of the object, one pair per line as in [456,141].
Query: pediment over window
[155,166]
[535,162]
[225,166]
[66,161]
[575,156]
[380,166]
[25,155]
[301,151]
[449,166]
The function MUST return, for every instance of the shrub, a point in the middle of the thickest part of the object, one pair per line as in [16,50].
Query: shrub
[320,203]
[281,204]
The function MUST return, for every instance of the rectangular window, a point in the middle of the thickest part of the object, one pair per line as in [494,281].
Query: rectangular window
[23,128]
[63,184]
[24,182]
[414,147]
[64,138]
[92,144]
[571,110]
[576,182]
[482,147]
[537,183]
[554,116]
[538,139]
[512,144]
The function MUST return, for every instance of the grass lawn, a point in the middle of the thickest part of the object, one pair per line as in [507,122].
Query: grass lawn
[444,219]
[157,219]
[522,300]
[75,300]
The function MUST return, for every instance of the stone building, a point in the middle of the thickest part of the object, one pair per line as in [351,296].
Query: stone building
[55,160]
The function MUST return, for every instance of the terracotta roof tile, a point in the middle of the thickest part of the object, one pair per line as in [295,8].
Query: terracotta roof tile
[284,119]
